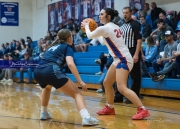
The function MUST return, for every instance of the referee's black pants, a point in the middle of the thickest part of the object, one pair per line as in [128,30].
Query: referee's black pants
[135,75]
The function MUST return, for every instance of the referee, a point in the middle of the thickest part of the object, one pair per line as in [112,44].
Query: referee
[133,40]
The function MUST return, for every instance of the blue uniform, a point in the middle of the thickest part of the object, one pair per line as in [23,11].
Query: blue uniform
[49,70]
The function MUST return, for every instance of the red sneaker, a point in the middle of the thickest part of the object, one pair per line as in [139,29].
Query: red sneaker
[141,114]
[106,111]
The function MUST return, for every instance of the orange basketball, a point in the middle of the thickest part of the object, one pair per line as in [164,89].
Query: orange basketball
[92,25]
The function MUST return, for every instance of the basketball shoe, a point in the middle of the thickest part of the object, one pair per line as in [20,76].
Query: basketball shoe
[45,115]
[90,121]
[106,111]
[141,114]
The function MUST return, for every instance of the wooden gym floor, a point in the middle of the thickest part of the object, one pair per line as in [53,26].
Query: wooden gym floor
[20,108]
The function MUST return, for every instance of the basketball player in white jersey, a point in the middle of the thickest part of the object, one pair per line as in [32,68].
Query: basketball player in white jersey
[85,8]
[96,8]
[52,18]
[58,14]
[108,3]
[119,70]
[68,10]
[76,7]
[137,4]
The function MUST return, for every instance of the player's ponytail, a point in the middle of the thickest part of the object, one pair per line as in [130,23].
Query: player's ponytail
[114,15]
[62,37]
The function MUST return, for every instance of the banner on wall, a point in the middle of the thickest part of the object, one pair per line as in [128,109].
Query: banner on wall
[60,12]
[9,14]
[137,4]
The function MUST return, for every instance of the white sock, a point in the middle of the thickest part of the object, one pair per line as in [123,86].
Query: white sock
[84,113]
[110,106]
[43,108]
[143,107]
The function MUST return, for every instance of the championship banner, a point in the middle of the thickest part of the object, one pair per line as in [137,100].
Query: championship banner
[9,14]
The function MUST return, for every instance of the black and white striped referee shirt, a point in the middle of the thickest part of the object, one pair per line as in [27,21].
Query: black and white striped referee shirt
[131,33]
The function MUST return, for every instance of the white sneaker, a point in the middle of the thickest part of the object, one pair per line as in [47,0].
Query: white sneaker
[53,89]
[3,80]
[90,121]
[9,81]
[45,116]
[37,84]
[99,73]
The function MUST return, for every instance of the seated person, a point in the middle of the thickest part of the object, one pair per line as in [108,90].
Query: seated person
[20,53]
[151,52]
[102,60]
[10,71]
[29,70]
[167,61]
[79,45]
[176,54]
[2,73]
[160,39]
[145,27]
[101,80]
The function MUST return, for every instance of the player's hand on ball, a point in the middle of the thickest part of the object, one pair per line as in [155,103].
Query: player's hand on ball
[84,23]
[83,85]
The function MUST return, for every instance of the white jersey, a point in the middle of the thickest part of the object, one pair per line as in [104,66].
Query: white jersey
[52,17]
[113,39]
[59,16]
[108,3]
[85,9]
[96,7]
[68,10]
[76,12]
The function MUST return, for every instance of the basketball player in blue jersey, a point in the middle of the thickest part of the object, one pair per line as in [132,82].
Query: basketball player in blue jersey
[49,73]
[111,35]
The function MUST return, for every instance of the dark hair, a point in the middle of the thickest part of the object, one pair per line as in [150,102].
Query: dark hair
[150,41]
[147,4]
[163,13]
[6,55]
[22,40]
[114,15]
[62,37]
[11,55]
[127,7]
[160,21]
[143,17]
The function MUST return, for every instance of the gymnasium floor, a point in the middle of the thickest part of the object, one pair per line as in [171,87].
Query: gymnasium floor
[20,107]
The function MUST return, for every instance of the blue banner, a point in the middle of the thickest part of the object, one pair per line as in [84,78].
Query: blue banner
[9,14]
[18,63]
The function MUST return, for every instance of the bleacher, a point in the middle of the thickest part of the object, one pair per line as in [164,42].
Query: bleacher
[87,69]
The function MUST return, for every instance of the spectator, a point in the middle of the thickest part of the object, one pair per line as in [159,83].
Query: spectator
[5,57]
[155,11]
[160,39]
[145,28]
[30,42]
[10,71]
[167,61]
[102,60]
[151,53]
[20,54]
[79,44]
[55,34]
[22,41]
[162,15]
[147,9]
[101,80]
[178,34]
[29,70]
[37,49]
[176,55]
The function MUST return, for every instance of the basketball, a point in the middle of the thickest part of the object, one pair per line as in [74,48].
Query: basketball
[92,24]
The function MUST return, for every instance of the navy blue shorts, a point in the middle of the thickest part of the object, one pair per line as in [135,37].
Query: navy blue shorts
[50,75]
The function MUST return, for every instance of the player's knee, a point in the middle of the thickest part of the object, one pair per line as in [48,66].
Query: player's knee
[121,89]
